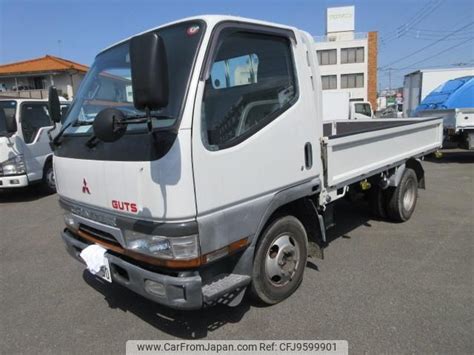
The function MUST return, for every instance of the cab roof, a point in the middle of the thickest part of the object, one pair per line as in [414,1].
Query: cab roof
[29,100]
[211,21]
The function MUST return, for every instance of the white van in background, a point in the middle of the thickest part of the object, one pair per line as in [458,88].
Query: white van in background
[338,106]
[25,154]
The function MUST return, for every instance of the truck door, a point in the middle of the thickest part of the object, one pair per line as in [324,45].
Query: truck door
[35,122]
[249,131]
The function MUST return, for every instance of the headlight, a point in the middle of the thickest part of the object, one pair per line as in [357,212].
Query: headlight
[163,247]
[70,221]
[13,166]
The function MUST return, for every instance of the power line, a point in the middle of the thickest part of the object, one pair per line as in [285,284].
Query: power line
[424,37]
[400,31]
[432,55]
[458,64]
[409,22]
[427,46]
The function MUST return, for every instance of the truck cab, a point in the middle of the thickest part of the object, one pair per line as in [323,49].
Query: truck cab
[361,110]
[25,154]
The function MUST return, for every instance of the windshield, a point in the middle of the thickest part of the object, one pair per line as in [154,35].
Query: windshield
[363,109]
[108,82]
[9,108]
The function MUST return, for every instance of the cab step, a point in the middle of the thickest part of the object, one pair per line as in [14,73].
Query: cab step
[224,288]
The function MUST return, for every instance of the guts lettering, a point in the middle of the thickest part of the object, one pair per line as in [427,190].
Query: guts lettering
[124,206]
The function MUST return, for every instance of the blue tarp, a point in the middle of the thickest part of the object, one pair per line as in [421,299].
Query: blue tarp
[455,93]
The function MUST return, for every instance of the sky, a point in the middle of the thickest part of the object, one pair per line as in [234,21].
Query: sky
[413,34]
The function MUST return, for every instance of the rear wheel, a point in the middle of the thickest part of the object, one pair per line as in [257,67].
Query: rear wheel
[49,182]
[402,201]
[280,260]
[378,202]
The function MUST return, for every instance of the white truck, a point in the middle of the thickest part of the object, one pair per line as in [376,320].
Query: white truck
[216,176]
[25,153]
[418,84]
[338,106]
[458,125]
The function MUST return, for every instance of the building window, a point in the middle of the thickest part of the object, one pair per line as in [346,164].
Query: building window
[349,81]
[328,56]
[329,82]
[352,55]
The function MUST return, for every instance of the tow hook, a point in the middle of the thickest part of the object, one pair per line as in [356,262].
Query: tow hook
[365,185]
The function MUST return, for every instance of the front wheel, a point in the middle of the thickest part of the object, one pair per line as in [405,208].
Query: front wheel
[49,182]
[280,260]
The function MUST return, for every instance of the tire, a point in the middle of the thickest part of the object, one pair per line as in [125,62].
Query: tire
[280,260]
[49,182]
[378,202]
[402,201]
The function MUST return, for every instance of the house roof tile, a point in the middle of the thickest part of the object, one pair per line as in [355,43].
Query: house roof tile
[48,63]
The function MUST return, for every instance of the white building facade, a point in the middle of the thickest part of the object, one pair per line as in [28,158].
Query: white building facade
[348,60]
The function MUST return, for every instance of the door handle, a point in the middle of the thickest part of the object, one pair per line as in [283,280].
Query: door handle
[308,155]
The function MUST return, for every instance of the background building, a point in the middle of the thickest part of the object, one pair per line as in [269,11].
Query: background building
[348,60]
[32,78]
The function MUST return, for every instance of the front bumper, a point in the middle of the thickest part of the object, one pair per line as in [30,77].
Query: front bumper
[181,292]
[13,181]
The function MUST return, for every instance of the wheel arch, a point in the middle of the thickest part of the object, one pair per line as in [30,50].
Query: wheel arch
[293,201]
[47,161]
[415,164]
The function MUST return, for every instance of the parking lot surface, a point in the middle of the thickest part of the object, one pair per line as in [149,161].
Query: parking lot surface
[384,287]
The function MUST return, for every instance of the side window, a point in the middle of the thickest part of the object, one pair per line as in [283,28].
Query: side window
[64,109]
[33,117]
[363,109]
[252,81]
[235,71]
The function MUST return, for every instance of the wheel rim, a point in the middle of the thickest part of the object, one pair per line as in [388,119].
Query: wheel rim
[282,260]
[409,196]
[50,178]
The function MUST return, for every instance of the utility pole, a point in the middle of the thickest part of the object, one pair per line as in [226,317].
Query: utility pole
[390,78]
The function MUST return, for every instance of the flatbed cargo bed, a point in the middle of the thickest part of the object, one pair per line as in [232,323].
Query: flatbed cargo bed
[356,150]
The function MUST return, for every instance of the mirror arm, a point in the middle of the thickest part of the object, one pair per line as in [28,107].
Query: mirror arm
[148,119]
[51,139]
[92,142]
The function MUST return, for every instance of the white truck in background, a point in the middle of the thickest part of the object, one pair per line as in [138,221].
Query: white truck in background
[202,186]
[337,105]
[25,152]
[418,84]
[454,102]
[458,125]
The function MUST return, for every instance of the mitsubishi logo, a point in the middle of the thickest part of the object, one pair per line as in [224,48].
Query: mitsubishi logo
[85,188]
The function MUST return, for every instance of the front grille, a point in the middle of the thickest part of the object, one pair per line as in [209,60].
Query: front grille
[98,234]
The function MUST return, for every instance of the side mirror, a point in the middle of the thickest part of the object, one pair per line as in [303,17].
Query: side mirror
[54,107]
[108,125]
[149,70]
[10,122]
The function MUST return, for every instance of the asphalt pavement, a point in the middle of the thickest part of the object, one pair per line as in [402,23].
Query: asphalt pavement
[384,287]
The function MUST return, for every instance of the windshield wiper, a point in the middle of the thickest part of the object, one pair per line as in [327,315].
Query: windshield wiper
[55,142]
[132,119]
[158,117]
[75,123]
[82,123]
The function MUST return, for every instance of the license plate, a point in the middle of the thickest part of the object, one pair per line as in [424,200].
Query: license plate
[104,272]
[95,259]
